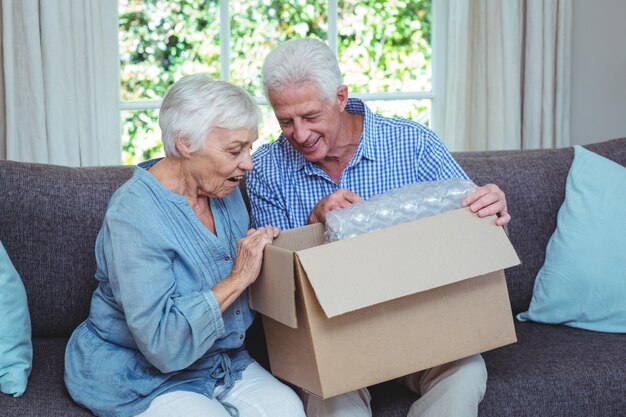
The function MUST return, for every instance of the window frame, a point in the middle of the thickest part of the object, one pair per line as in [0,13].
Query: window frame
[438,64]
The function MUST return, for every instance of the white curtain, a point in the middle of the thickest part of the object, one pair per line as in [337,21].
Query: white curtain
[547,74]
[59,99]
[508,74]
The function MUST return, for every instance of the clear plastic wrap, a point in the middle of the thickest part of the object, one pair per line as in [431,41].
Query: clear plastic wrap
[396,206]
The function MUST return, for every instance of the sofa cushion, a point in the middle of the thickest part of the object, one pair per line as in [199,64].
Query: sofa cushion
[46,394]
[534,183]
[556,371]
[16,349]
[49,218]
[583,280]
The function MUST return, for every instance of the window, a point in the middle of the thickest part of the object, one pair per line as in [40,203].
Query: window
[384,49]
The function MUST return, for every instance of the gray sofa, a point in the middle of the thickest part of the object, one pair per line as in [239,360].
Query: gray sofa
[50,215]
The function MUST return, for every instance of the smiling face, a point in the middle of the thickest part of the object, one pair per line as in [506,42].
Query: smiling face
[311,124]
[217,169]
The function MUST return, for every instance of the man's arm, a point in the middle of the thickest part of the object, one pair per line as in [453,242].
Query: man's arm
[434,161]
[485,201]
[265,206]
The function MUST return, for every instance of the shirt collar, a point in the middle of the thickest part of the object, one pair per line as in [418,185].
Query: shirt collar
[366,148]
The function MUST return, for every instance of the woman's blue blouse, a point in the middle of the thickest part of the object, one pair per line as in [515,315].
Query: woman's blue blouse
[155,325]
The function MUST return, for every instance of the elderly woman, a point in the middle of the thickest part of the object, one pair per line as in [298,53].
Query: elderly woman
[165,334]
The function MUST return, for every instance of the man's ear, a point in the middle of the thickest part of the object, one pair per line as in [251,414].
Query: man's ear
[342,96]
[182,146]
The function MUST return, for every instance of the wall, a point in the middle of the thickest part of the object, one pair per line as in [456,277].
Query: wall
[598,106]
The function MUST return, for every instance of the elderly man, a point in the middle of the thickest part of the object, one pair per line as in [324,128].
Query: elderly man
[334,151]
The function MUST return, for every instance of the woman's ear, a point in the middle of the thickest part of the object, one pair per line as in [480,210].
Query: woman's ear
[182,146]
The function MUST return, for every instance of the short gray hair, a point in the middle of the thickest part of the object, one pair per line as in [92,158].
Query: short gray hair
[302,60]
[196,104]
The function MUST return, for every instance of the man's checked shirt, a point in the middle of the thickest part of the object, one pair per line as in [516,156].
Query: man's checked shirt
[284,187]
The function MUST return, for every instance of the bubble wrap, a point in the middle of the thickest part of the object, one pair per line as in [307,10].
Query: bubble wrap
[400,205]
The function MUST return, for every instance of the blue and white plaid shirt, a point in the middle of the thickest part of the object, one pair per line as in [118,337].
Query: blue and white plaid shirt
[284,187]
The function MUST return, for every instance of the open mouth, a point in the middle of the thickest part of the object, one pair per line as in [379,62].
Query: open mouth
[236,179]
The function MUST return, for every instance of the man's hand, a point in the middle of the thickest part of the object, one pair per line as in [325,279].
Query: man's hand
[339,199]
[487,200]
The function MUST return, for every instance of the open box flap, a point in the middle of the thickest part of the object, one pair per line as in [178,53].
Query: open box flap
[300,238]
[405,259]
[274,296]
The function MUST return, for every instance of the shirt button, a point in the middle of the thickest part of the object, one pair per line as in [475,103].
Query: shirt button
[227,258]
[241,336]
[237,311]
[214,374]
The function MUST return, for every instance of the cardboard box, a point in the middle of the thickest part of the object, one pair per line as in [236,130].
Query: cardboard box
[356,312]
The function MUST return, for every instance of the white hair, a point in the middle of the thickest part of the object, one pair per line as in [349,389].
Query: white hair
[302,60]
[196,104]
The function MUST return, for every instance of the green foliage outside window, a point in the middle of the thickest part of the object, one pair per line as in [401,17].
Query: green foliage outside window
[382,46]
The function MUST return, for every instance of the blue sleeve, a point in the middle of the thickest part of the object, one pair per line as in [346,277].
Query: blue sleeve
[171,330]
[434,161]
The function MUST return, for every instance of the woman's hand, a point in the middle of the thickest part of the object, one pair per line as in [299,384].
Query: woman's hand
[247,265]
[250,254]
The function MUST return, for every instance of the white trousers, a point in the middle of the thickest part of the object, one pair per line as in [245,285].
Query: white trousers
[256,394]
[451,390]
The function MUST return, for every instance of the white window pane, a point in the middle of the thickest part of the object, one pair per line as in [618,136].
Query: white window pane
[416,110]
[160,41]
[259,25]
[141,136]
[384,46]
[269,130]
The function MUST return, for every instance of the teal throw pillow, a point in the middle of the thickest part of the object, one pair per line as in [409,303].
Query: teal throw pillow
[16,349]
[583,280]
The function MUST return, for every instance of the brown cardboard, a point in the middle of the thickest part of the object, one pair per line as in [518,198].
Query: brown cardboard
[353,313]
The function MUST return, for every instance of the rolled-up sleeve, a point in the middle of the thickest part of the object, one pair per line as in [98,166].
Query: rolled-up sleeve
[435,163]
